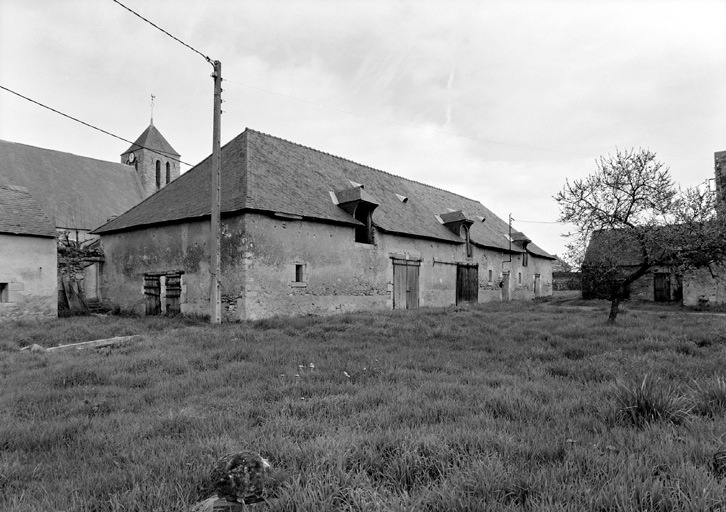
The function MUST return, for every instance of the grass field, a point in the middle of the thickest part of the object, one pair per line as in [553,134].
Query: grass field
[519,406]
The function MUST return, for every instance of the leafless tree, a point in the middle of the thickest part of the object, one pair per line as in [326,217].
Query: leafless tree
[637,219]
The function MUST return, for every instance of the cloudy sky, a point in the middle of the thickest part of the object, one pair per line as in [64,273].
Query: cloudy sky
[499,101]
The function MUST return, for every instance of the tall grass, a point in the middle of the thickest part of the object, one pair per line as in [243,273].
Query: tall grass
[493,407]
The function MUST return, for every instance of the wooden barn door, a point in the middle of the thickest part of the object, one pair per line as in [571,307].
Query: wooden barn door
[173,292]
[467,283]
[662,287]
[405,284]
[152,294]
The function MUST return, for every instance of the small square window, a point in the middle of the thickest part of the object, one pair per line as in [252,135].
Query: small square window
[4,295]
[299,273]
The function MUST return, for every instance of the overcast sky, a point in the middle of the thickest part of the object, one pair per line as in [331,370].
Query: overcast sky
[499,101]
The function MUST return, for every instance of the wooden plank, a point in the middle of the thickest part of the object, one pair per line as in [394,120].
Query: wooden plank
[412,302]
[107,342]
[399,286]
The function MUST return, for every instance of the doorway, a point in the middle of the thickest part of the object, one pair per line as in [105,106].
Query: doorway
[467,283]
[405,284]
[661,287]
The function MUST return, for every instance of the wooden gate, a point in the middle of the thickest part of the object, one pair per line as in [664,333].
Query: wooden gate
[173,292]
[152,294]
[661,287]
[405,284]
[467,283]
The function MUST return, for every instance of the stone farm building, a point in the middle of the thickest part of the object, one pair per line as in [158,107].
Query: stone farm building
[28,256]
[305,232]
[77,194]
[665,283]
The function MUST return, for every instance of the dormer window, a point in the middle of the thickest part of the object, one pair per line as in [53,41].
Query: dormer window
[364,233]
[464,233]
[521,241]
[360,204]
[458,223]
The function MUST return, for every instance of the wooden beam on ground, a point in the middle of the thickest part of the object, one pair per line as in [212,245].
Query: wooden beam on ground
[108,342]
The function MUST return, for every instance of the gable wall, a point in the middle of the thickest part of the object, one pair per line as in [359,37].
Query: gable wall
[259,258]
[31,282]
[130,255]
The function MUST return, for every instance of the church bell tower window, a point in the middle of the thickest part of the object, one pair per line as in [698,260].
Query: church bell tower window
[158,175]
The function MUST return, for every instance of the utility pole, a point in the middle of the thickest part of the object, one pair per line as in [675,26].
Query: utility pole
[215,299]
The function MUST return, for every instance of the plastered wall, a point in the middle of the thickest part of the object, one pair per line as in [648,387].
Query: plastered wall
[285,266]
[341,275]
[28,283]
[132,254]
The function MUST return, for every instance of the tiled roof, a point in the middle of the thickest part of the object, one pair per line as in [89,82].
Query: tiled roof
[20,213]
[152,139]
[74,191]
[621,246]
[265,173]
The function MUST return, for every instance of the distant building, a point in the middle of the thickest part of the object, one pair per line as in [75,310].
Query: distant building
[306,232]
[78,194]
[665,283]
[28,257]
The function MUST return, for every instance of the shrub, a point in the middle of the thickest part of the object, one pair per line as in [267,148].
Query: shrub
[709,397]
[649,402]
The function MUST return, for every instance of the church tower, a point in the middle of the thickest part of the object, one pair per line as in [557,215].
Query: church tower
[156,162]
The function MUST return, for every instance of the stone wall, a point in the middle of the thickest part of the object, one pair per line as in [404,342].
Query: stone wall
[702,289]
[287,266]
[28,284]
[130,255]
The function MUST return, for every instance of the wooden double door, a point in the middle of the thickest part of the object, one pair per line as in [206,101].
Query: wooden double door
[170,283]
[467,283]
[405,283]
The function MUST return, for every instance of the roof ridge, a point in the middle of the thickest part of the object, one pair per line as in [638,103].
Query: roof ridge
[63,152]
[359,164]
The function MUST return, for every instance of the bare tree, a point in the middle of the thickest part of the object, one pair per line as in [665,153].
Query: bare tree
[635,218]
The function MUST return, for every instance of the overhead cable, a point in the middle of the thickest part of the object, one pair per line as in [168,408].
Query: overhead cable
[164,31]
[89,125]
[540,221]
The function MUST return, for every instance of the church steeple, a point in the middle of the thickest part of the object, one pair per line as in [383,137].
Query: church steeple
[153,158]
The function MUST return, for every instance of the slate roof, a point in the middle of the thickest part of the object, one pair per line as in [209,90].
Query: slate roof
[74,191]
[152,139]
[268,174]
[20,213]
[618,247]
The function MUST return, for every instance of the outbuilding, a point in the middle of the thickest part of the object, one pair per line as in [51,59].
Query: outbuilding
[29,257]
[306,232]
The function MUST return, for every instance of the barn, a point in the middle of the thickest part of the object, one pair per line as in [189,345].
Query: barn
[305,232]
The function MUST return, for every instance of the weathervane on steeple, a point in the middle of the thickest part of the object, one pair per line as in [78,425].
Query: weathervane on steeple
[152,108]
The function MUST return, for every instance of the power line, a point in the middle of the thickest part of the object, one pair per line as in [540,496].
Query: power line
[503,143]
[164,31]
[87,124]
[540,221]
